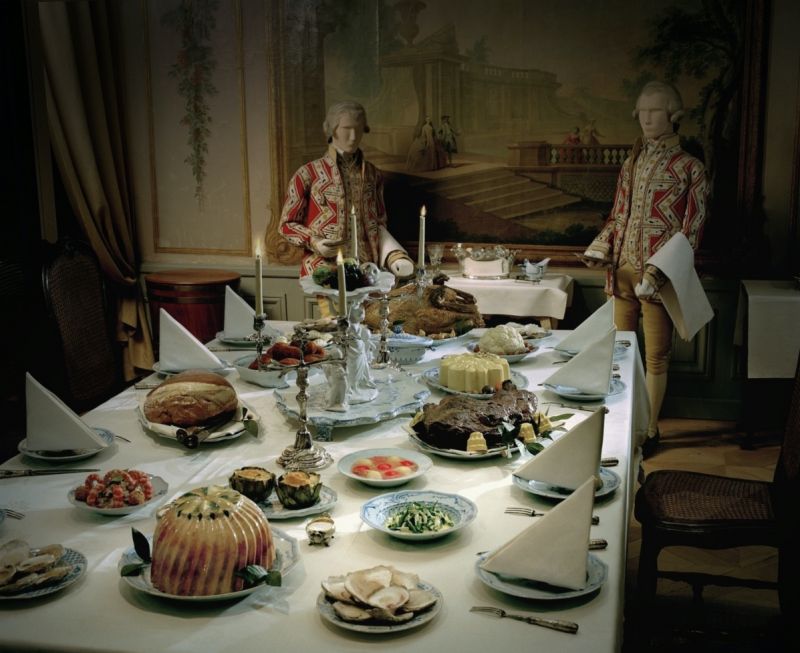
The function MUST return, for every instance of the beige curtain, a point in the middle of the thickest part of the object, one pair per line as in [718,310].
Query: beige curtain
[81,79]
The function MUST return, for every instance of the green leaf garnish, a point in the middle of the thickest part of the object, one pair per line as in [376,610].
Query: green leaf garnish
[251,426]
[256,575]
[534,447]
[560,418]
[133,568]
[141,545]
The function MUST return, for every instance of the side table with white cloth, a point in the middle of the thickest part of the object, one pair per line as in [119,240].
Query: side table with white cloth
[546,300]
[102,612]
[768,327]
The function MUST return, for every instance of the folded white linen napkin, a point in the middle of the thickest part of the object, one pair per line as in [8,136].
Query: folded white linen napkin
[554,549]
[590,329]
[54,426]
[590,370]
[570,459]
[180,350]
[683,295]
[238,315]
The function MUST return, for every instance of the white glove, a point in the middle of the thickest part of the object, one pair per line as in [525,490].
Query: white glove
[325,247]
[593,253]
[644,289]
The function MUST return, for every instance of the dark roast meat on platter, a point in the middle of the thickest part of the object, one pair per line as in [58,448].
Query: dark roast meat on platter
[448,424]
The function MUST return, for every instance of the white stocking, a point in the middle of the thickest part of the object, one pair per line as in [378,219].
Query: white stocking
[656,388]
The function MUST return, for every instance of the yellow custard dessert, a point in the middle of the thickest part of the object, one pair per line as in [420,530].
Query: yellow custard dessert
[471,372]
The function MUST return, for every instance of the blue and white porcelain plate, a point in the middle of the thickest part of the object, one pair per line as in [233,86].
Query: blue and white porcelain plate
[376,511]
[273,509]
[511,358]
[70,557]
[431,377]
[596,574]
[65,455]
[567,392]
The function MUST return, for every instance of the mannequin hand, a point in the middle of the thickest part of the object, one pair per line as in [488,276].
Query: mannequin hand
[601,261]
[325,247]
[401,266]
[644,289]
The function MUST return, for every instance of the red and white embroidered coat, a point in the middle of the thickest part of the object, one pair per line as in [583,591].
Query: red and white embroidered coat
[315,206]
[660,192]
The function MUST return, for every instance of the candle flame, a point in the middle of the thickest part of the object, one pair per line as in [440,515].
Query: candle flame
[423,212]
[339,257]
[258,249]
[353,209]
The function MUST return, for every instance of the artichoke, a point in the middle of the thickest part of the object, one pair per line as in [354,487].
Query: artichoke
[255,483]
[298,489]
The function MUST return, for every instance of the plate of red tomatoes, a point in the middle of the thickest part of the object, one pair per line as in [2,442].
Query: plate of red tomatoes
[384,467]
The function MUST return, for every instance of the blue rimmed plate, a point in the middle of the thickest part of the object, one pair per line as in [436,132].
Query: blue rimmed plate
[274,509]
[596,574]
[431,377]
[567,392]
[70,557]
[65,455]
[511,358]
[611,481]
[421,462]
[376,511]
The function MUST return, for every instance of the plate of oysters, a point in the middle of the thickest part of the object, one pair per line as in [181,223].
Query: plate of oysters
[378,600]
[30,572]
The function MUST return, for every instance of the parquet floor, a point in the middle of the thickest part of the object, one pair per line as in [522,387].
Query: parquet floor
[730,618]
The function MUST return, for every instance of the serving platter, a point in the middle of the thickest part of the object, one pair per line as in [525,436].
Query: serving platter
[286,555]
[161,371]
[596,574]
[467,335]
[274,509]
[457,454]
[230,430]
[160,487]
[431,377]
[66,455]
[326,611]
[70,557]
[511,358]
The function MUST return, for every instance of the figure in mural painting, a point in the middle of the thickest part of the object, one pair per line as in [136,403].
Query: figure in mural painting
[590,135]
[321,193]
[661,191]
[573,138]
[447,137]
[426,151]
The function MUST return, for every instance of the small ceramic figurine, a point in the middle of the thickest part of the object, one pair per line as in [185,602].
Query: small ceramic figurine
[360,385]
[336,377]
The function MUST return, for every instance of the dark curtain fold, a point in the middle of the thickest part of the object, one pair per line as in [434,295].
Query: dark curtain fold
[83,89]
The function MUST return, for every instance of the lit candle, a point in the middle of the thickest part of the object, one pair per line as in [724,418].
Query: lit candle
[342,284]
[354,232]
[259,289]
[421,246]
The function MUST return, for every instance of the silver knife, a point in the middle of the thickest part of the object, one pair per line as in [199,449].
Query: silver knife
[16,473]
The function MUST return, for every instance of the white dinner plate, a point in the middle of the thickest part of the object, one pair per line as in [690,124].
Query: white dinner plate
[454,340]
[611,481]
[326,611]
[160,487]
[247,341]
[65,455]
[619,350]
[274,509]
[596,574]
[422,462]
[216,370]
[431,377]
[286,556]
[70,557]
[568,392]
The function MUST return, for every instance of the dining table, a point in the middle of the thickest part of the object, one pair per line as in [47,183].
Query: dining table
[101,611]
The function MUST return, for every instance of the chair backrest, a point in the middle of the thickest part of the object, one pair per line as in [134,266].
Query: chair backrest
[786,481]
[75,297]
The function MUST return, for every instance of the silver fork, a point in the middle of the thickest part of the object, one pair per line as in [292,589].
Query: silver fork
[555,624]
[14,514]
[530,512]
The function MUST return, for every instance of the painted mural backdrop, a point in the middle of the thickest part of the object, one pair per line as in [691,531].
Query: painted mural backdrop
[512,123]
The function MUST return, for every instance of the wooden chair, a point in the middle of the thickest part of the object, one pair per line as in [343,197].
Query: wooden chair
[680,508]
[75,300]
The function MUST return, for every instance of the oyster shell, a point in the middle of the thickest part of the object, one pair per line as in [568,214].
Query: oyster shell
[335,589]
[36,564]
[389,598]
[382,614]
[419,600]
[53,575]
[13,552]
[55,550]
[404,579]
[6,574]
[20,584]
[364,583]
[350,612]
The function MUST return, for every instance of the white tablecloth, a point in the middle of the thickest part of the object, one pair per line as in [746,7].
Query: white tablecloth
[771,312]
[102,613]
[548,298]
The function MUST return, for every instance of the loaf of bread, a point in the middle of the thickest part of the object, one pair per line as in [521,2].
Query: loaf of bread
[190,398]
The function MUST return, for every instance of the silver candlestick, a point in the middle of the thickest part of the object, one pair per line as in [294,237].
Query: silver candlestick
[382,357]
[303,454]
[258,325]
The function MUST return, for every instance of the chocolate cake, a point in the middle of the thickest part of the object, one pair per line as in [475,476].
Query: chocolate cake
[448,424]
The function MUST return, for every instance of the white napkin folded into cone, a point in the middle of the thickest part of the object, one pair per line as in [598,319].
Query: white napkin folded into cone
[683,295]
[180,350]
[590,371]
[554,549]
[238,315]
[570,459]
[54,426]
[589,330]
